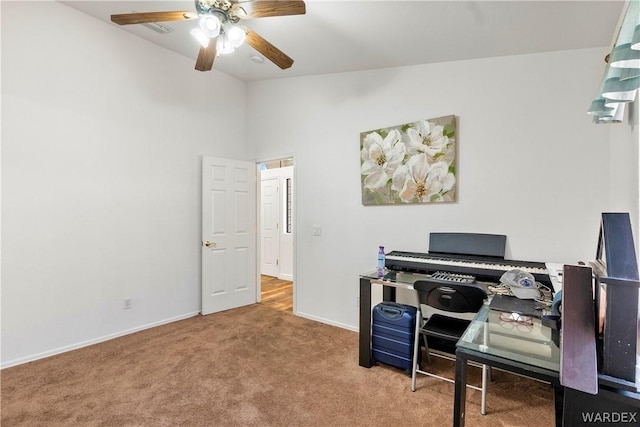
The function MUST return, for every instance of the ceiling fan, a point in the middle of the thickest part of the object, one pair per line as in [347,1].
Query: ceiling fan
[219,31]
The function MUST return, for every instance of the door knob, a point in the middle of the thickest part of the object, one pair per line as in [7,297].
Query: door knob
[209,244]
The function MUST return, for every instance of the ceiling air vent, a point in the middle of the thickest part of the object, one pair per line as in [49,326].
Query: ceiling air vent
[158,28]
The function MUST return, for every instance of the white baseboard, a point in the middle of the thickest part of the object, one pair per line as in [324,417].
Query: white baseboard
[328,322]
[288,277]
[64,349]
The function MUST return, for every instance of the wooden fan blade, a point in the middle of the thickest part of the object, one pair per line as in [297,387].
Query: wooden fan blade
[206,56]
[144,17]
[265,8]
[271,52]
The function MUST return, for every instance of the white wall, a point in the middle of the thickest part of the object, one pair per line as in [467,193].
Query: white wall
[102,138]
[531,163]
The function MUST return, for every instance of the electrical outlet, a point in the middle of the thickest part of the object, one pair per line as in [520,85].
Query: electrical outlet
[128,305]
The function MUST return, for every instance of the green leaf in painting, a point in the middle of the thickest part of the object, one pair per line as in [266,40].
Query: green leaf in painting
[449,130]
[378,198]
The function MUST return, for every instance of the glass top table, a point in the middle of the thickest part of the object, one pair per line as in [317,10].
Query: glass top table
[532,344]
[529,349]
[400,279]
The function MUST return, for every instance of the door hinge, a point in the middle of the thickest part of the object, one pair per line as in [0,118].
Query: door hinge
[277,262]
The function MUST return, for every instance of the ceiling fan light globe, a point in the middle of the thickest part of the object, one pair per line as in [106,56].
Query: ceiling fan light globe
[223,45]
[200,36]
[236,36]
[210,26]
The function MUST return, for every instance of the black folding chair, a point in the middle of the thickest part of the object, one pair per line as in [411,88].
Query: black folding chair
[445,330]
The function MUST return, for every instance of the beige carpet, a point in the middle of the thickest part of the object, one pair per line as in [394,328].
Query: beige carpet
[253,366]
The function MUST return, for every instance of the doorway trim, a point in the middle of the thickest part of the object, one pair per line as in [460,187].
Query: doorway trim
[294,228]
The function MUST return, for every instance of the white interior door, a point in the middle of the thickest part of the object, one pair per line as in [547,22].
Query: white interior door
[286,225]
[269,234]
[228,234]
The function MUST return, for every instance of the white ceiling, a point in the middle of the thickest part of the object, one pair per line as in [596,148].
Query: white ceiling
[339,36]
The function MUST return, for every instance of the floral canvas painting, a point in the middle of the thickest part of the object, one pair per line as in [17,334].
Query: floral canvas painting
[409,163]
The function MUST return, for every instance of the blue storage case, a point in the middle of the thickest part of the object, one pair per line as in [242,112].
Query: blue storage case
[392,334]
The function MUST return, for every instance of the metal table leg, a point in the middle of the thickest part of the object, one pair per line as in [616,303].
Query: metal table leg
[460,396]
[365,358]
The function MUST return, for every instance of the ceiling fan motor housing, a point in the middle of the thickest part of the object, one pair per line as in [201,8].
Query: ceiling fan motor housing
[220,8]
[205,7]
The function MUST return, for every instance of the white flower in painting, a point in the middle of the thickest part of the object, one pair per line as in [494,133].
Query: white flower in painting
[380,158]
[439,171]
[417,183]
[399,178]
[426,137]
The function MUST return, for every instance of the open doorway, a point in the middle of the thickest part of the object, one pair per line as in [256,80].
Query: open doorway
[276,216]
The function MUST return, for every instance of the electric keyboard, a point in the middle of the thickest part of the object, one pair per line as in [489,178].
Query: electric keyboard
[467,254]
